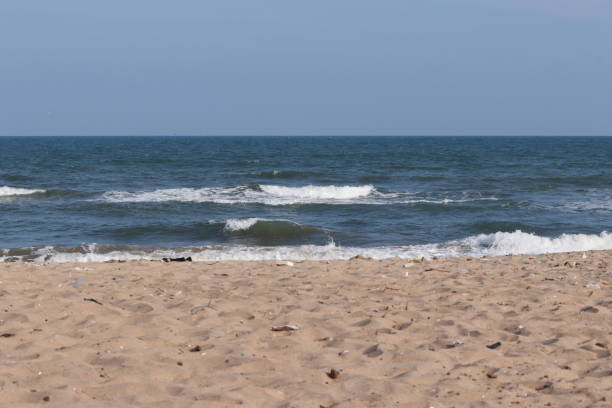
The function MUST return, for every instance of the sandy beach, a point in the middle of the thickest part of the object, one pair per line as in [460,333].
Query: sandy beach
[528,331]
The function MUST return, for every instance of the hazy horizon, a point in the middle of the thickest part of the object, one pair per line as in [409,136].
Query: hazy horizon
[343,68]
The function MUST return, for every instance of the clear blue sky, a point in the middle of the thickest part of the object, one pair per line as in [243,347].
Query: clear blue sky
[284,67]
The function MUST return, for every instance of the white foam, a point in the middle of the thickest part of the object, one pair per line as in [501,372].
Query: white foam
[13,191]
[500,243]
[234,224]
[311,193]
[264,194]
[518,242]
[283,195]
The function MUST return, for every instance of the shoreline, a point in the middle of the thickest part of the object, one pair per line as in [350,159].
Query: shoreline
[526,330]
[475,246]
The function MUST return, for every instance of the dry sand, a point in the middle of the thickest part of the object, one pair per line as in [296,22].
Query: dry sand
[396,334]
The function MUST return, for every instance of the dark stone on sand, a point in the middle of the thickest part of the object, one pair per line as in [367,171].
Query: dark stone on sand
[7,335]
[333,374]
[589,309]
[195,349]
[46,398]
[92,300]
[373,351]
[494,345]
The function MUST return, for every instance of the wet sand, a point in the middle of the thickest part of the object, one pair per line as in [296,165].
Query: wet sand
[528,331]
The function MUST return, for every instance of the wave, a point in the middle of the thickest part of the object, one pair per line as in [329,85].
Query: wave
[319,192]
[500,243]
[249,194]
[274,232]
[518,242]
[246,223]
[268,194]
[597,203]
[7,191]
[449,200]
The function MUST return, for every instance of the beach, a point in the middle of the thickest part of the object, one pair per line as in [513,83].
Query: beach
[528,331]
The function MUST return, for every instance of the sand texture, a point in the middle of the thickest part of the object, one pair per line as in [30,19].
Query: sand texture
[525,331]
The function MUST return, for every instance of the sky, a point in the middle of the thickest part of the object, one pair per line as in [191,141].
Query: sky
[285,67]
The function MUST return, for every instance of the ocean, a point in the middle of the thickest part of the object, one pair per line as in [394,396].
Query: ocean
[249,198]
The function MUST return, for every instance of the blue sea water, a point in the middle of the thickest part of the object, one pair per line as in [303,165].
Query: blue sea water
[99,198]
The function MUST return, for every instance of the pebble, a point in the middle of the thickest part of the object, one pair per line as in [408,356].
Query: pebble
[333,374]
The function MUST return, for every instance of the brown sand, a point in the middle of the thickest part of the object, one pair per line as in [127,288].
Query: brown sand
[396,334]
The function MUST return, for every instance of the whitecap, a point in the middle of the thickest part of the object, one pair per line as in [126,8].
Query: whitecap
[13,191]
[258,194]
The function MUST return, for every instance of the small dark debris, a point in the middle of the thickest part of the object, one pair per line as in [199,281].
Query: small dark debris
[601,345]
[92,300]
[7,335]
[333,374]
[494,345]
[547,386]
[179,363]
[181,259]
[285,328]
[195,349]
[46,398]
[589,309]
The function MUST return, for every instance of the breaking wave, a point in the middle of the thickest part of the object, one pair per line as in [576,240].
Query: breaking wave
[262,194]
[518,242]
[273,232]
[283,195]
[7,191]
[500,243]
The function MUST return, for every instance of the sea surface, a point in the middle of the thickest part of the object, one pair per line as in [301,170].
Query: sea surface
[215,198]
